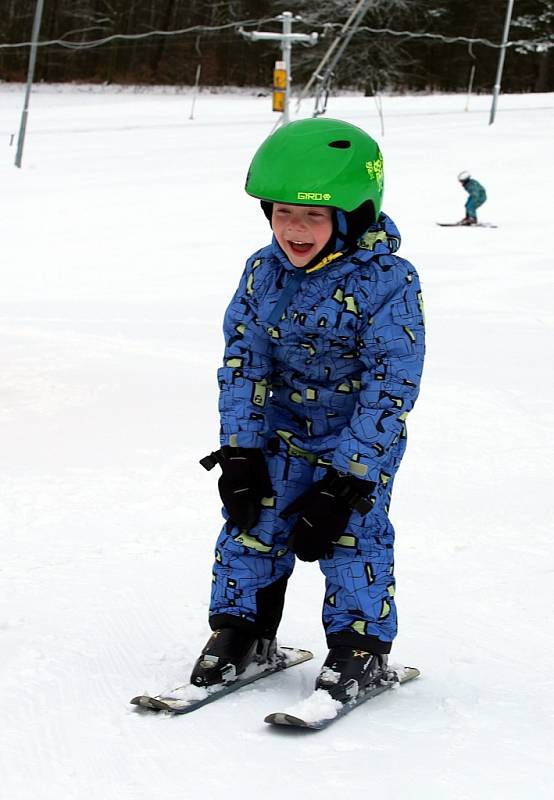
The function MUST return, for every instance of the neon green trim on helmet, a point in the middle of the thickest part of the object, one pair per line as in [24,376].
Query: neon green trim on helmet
[318,162]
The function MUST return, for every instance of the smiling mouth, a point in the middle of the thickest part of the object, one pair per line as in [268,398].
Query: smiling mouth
[300,247]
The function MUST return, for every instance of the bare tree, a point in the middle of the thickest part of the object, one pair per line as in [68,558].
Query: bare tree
[374,59]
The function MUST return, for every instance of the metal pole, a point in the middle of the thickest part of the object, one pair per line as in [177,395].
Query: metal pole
[30,73]
[379,104]
[471,74]
[501,58]
[195,90]
[316,75]
[470,86]
[286,49]
[326,77]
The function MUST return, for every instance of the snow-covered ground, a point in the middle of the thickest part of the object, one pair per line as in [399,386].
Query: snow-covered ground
[122,239]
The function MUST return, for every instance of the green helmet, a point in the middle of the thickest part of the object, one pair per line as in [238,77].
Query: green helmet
[318,162]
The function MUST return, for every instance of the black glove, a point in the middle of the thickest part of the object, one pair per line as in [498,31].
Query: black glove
[244,481]
[324,511]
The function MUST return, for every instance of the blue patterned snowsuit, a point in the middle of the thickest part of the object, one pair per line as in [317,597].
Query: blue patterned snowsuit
[318,372]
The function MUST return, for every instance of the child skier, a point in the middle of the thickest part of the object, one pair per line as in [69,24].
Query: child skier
[476,198]
[323,358]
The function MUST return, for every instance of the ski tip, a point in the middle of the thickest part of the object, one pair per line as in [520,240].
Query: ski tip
[288,720]
[145,701]
[295,654]
[405,674]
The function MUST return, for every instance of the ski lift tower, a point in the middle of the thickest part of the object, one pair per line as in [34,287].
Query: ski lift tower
[287,39]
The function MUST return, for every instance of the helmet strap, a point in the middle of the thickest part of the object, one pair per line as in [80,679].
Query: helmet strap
[341,228]
[267,208]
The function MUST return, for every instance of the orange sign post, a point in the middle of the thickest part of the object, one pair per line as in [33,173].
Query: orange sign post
[279,86]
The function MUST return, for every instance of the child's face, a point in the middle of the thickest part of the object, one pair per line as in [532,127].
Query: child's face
[302,231]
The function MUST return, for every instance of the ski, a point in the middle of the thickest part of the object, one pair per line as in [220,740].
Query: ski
[320,709]
[187,698]
[459,225]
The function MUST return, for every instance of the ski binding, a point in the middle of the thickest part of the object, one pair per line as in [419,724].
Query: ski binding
[320,709]
[187,698]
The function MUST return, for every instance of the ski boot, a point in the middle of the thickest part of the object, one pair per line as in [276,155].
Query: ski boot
[469,220]
[347,671]
[226,655]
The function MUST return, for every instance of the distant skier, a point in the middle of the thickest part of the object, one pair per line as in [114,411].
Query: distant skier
[324,343]
[477,196]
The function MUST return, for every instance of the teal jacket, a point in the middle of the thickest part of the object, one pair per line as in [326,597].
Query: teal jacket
[477,195]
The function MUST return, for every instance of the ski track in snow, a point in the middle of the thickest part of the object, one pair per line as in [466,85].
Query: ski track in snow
[121,248]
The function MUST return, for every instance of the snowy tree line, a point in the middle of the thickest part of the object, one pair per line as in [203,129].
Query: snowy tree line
[374,61]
